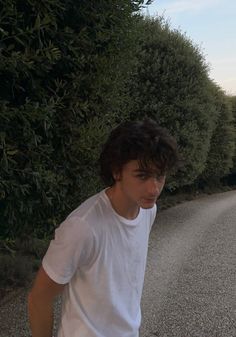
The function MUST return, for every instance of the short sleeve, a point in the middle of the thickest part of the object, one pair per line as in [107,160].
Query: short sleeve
[70,249]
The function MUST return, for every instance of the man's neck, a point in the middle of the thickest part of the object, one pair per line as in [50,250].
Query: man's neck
[122,206]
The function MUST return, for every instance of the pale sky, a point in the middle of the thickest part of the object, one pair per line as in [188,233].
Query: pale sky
[210,24]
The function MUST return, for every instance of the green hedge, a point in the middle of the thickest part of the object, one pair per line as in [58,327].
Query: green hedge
[60,92]
[222,146]
[171,85]
[72,70]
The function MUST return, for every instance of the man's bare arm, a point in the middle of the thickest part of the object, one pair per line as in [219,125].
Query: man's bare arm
[40,304]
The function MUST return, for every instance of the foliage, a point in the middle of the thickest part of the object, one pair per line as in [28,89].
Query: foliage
[222,146]
[19,259]
[72,70]
[171,85]
[16,270]
[62,65]
[233,105]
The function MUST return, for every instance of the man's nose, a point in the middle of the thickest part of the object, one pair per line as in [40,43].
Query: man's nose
[154,186]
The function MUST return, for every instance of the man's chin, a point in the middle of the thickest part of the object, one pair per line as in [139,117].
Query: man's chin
[148,204]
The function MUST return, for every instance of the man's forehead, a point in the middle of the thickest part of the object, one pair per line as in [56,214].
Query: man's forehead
[149,169]
[140,167]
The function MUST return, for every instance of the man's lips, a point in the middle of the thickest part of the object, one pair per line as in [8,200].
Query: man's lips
[150,199]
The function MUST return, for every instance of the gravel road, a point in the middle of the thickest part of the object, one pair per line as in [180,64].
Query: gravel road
[190,283]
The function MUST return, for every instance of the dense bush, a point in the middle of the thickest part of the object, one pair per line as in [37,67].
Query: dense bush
[230,179]
[233,105]
[62,65]
[69,72]
[222,147]
[171,85]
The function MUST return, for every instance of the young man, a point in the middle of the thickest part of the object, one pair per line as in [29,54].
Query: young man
[98,257]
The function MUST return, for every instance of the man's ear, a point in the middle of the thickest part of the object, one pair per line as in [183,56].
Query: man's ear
[116,175]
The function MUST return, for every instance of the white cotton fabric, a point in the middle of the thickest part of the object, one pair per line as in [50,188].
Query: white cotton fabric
[101,257]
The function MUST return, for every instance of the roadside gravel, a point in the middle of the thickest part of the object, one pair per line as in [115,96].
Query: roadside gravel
[13,315]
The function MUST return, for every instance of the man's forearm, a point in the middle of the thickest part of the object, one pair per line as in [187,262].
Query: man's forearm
[40,317]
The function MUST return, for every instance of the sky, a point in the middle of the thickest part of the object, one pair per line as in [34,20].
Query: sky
[210,24]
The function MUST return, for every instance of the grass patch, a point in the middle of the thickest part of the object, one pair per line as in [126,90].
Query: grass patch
[19,260]
[16,271]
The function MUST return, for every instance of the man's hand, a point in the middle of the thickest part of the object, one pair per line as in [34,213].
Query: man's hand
[40,304]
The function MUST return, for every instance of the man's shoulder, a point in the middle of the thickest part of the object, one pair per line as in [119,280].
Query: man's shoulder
[90,208]
[83,219]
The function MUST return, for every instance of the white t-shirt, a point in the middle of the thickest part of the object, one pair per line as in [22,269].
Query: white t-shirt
[102,258]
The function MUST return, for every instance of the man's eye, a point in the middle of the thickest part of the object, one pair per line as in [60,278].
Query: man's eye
[142,176]
[160,178]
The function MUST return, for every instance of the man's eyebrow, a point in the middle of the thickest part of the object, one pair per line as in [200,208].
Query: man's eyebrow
[147,171]
[142,171]
[150,172]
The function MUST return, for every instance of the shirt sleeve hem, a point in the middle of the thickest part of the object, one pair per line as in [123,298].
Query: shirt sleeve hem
[56,278]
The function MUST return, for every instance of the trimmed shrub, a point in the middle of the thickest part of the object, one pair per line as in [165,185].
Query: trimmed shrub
[62,66]
[222,147]
[171,85]
[233,104]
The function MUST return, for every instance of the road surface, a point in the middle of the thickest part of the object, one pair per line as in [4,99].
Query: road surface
[190,284]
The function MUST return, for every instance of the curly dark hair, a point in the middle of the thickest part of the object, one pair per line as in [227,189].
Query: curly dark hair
[144,141]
